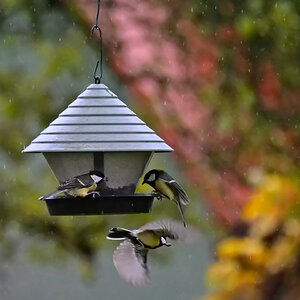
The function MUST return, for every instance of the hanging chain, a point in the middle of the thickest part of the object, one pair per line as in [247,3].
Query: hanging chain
[99,62]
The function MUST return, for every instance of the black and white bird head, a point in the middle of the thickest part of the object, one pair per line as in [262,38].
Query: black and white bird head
[151,177]
[97,176]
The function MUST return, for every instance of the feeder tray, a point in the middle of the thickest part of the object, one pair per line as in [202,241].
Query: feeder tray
[100,205]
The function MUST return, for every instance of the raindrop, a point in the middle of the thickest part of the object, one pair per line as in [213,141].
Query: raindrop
[192,9]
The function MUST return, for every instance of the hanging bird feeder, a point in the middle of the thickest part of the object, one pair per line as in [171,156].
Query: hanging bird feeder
[99,132]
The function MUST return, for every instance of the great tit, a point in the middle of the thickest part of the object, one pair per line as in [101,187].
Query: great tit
[79,186]
[166,186]
[130,257]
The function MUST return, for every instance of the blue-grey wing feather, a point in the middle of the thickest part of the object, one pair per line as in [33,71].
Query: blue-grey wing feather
[173,230]
[176,188]
[76,182]
[131,263]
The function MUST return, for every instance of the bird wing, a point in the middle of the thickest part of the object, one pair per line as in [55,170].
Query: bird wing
[131,263]
[176,188]
[73,183]
[173,230]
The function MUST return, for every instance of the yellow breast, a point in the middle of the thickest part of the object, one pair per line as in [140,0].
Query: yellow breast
[148,238]
[93,187]
[83,191]
[163,188]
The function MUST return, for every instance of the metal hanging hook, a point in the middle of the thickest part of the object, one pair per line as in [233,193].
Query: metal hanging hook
[99,62]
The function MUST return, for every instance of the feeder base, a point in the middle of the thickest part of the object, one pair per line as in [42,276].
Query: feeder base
[100,205]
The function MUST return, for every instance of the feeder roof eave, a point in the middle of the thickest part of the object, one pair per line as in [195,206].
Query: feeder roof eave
[34,148]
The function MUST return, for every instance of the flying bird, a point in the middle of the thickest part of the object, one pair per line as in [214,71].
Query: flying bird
[130,257]
[79,186]
[166,186]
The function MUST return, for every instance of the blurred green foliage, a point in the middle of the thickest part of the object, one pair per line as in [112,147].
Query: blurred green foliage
[44,63]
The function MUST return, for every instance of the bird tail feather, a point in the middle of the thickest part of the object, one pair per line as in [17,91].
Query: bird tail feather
[119,233]
[181,213]
[50,195]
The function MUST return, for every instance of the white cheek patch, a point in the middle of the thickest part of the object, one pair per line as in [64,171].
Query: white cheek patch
[96,178]
[152,177]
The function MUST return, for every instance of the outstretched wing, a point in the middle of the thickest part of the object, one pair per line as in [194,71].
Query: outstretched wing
[176,188]
[173,230]
[131,263]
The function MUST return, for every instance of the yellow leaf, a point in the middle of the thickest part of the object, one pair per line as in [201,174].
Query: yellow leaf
[252,251]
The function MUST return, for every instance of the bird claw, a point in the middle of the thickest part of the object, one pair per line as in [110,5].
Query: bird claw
[94,193]
[157,195]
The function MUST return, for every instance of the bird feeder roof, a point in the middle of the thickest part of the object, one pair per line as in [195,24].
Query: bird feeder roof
[97,121]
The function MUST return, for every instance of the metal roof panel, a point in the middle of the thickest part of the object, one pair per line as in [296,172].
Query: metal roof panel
[97,111]
[97,137]
[91,102]
[97,120]
[82,128]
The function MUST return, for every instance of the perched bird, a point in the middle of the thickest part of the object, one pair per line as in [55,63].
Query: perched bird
[79,186]
[166,186]
[130,258]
